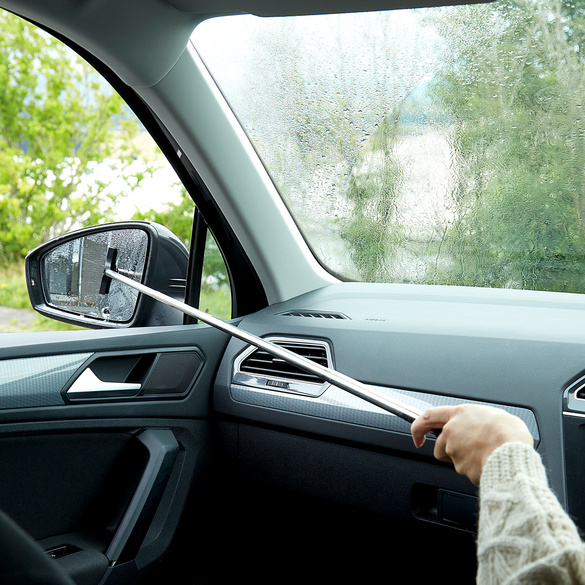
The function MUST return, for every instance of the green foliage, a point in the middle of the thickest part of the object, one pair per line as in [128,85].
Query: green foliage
[13,292]
[511,108]
[216,302]
[178,217]
[373,188]
[58,119]
[520,141]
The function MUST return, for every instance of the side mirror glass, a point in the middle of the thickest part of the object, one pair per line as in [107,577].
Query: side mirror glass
[65,276]
[73,272]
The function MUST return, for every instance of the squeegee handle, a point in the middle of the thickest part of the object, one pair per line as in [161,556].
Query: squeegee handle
[338,379]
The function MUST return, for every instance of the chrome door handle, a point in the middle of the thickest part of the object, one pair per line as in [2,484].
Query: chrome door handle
[88,385]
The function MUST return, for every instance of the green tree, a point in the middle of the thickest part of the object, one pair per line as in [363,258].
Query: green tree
[178,217]
[58,119]
[375,182]
[519,139]
[508,99]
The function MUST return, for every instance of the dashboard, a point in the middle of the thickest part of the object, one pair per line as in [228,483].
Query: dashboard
[520,350]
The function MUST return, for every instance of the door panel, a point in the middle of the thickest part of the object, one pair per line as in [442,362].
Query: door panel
[78,348]
[100,478]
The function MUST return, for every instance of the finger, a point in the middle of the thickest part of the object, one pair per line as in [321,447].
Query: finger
[440,451]
[430,420]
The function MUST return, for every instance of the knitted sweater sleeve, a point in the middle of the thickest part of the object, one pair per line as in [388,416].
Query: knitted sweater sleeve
[524,536]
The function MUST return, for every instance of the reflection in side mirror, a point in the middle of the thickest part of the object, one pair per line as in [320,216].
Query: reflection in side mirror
[72,274]
[65,276]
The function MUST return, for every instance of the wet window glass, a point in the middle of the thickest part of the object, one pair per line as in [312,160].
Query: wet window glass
[435,146]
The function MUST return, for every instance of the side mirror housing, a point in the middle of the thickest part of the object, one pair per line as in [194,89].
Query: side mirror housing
[65,276]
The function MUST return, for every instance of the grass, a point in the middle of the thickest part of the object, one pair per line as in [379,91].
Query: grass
[13,291]
[216,302]
[14,294]
[40,324]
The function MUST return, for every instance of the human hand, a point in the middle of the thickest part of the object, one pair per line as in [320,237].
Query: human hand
[469,434]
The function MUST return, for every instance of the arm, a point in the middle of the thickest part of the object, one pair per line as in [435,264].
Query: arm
[525,536]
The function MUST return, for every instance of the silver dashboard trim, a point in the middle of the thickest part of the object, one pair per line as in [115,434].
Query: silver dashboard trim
[337,405]
[573,414]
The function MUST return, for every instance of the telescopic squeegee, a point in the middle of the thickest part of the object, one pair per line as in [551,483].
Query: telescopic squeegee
[396,407]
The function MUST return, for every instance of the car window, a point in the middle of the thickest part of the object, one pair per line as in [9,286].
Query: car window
[73,154]
[435,146]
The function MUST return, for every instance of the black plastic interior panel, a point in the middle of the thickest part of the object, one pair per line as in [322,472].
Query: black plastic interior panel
[352,507]
[63,483]
[173,374]
[375,481]
[163,449]
[74,489]
[72,471]
[574,435]
[80,555]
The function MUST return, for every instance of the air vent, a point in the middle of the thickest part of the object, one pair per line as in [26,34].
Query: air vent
[315,315]
[578,389]
[256,367]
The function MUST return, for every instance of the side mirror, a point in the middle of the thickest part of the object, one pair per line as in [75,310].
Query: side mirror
[65,276]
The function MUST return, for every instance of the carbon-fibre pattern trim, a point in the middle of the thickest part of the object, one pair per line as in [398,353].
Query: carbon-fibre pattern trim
[338,405]
[37,381]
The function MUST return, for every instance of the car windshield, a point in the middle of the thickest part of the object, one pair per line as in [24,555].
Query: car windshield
[434,146]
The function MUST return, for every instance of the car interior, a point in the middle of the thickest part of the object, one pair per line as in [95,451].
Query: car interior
[152,447]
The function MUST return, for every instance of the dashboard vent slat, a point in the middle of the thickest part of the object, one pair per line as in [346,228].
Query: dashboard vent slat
[261,363]
[316,314]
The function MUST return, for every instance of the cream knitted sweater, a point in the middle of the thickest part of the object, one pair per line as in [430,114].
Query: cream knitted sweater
[525,537]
